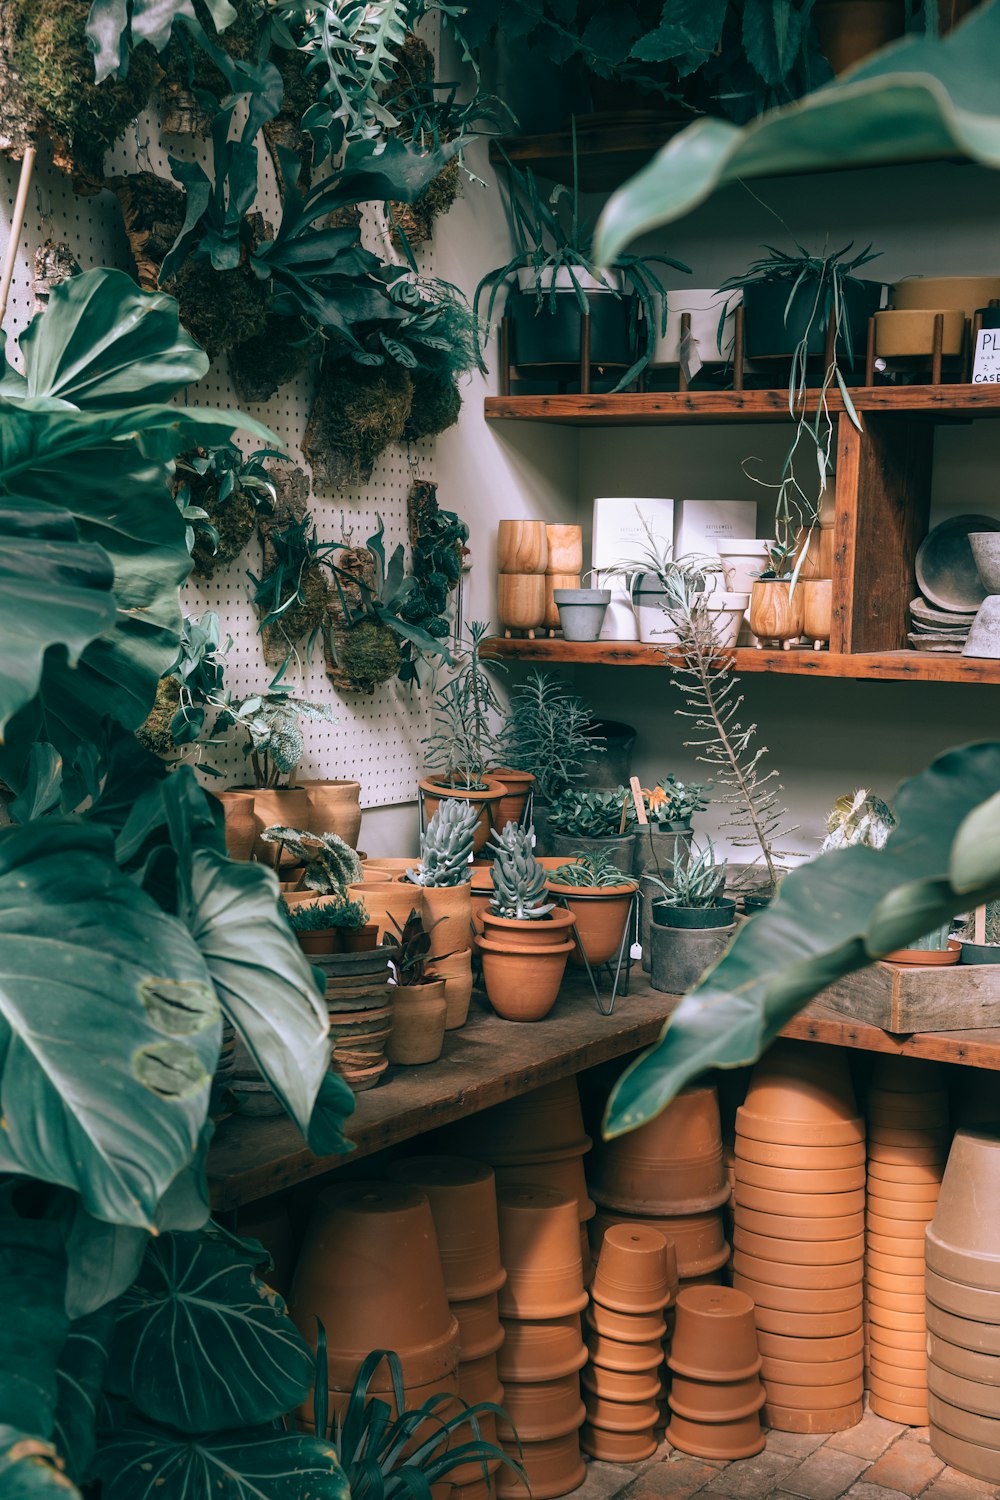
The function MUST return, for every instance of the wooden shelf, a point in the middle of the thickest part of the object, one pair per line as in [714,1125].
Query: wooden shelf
[490,1060]
[879,666]
[690,408]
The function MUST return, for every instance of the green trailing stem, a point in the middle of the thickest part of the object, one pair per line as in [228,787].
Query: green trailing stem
[519,882]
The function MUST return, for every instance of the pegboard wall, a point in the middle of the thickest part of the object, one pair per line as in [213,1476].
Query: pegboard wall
[377,736]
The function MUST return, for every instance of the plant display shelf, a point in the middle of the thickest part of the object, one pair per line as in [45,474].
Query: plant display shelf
[952,402]
[490,1060]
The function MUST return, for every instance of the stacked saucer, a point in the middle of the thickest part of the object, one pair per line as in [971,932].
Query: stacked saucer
[940,630]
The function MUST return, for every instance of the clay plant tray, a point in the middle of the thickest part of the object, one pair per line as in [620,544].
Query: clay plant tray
[918,997]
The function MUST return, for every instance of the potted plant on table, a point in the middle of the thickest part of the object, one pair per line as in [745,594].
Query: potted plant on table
[981,937]
[582,821]
[600,899]
[547,736]
[331,927]
[525,941]
[465,741]
[323,862]
[419,1007]
[776,616]
[444,876]
[274,744]
[670,808]
[691,922]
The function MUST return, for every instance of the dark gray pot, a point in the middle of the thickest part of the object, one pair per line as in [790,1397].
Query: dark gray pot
[979,953]
[619,847]
[655,848]
[680,955]
[603,770]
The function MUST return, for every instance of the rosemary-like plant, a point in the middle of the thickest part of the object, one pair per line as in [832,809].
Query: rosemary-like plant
[466,740]
[548,732]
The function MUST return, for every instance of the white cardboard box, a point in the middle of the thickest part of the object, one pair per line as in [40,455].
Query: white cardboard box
[619,537]
[702,524]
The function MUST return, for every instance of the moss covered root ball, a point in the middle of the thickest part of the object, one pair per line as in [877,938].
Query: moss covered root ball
[359,410]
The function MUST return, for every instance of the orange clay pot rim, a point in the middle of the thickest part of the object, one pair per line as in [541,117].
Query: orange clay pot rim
[745,1450]
[436,788]
[678,1208]
[508,1309]
[593,893]
[649,1338]
[519,950]
[711,1417]
[654,1305]
[649,1361]
[568,1367]
[638,1423]
[690,1372]
[652,1386]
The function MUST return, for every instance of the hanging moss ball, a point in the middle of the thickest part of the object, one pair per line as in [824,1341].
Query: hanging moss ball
[276,355]
[55,67]
[218,308]
[155,734]
[417,219]
[234,519]
[436,405]
[185,63]
[302,620]
[359,410]
[368,654]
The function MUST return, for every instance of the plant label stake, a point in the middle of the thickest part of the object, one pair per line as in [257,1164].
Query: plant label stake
[980,925]
[638,801]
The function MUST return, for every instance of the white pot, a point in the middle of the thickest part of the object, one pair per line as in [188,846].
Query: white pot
[619,621]
[528,279]
[705,306]
[743,559]
[655,626]
[727,611]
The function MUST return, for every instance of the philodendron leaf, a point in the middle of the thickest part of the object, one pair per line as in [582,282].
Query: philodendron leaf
[34,1324]
[109,1026]
[141,1462]
[201,1344]
[80,1376]
[830,917]
[31,1469]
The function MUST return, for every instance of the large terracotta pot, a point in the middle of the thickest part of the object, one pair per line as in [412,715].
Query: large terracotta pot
[488,798]
[463,1199]
[545,1124]
[541,1351]
[456,972]
[447,913]
[515,798]
[547,932]
[385,900]
[419,1012]
[714,1337]
[775,612]
[959,1245]
[552,1468]
[334,807]
[287,807]
[672,1165]
[540,1248]
[601,916]
[522,983]
[241,826]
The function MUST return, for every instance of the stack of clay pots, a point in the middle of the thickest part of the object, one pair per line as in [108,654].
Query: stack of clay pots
[370,1271]
[540,1308]
[635,1280]
[908,1140]
[522,558]
[537,1140]
[799,1235]
[358,997]
[564,568]
[463,1201]
[963,1308]
[669,1175]
[715,1393]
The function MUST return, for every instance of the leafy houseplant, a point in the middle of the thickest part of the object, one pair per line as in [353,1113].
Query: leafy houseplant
[670,807]
[185,694]
[223,492]
[526,940]
[691,922]
[600,899]
[328,864]
[339,926]
[593,822]
[465,739]
[419,1007]
[271,722]
[291,596]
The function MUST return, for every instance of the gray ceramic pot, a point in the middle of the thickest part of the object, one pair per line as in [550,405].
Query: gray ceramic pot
[984,637]
[581,612]
[986,551]
[680,955]
[619,847]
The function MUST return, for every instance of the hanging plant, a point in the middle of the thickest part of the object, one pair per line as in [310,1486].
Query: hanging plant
[198,73]
[437,545]
[279,353]
[230,491]
[193,685]
[52,264]
[291,594]
[436,405]
[358,411]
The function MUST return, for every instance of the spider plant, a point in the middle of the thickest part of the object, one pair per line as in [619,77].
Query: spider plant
[695,881]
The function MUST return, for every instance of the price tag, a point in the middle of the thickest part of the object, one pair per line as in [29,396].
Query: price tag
[635,951]
[986,370]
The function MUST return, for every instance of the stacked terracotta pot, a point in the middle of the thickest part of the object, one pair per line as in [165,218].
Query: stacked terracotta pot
[799,1236]
[908,1138]
[463,1201]
[715,1393]
[370,1271]
[358,997]
[540,1307]
[669,1175]
[963,1308]
[537,1140]
[636,1279]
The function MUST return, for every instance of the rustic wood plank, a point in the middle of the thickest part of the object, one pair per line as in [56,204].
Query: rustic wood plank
[974,1049]
[903,999]
[654,408]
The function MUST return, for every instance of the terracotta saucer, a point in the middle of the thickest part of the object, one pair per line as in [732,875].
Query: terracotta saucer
[919,1174]
[720,1440]
[775,1226]
[892,1411]
[968,1363]
[901,1265]
[811,1351]
[908,1341]
[895,1280]
[818,1373]
[887,1317]
[967,1333]
[889,1354]
[971,1426]
[908,1156]
[797,1299]
[909,1137]
[799,1252]
[789,1419]
[920,1104]
[969,1458]
[894,1246]
[798,1396]
[898,1229]
[809,1325]
[803,1158]
[797,1180]
[925,1193]
[819,1278]
[901,1397]
[911,1382]
[794,1205]
[790,1132]
[911,1209]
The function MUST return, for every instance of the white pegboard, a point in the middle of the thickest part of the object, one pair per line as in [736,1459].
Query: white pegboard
[377,737]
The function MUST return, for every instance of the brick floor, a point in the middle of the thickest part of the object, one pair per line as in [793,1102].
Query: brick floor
[877,1460]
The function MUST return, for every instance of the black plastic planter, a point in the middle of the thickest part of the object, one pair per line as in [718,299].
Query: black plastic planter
[769,335]
[979,953]
[722,915]
[543,335]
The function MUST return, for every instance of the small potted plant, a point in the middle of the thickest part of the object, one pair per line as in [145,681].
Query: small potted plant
[600,899]
[465,741]
[444,877]
[691,922]
[670,807]
[324,927]
[789,299]
[548,734]
[274,744]
[419,1008]
[981,937]
[775,603]
[525,941]
[581,612]
[582,821]
[324,863]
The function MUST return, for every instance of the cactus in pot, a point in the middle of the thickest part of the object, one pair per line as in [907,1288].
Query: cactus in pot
[444,876]
[526,939]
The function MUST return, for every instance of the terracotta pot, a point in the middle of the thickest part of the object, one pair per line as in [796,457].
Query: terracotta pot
[817,606]
[419,1012]
[611,1354]
[267,1220]
[775,1226]
[796,1180]
[520,601]
[548,932]
[850,30]
[775,612]
[285,806]
[376,874]
[562,1176]
[463,1199]
[901,1302]
[798,1396]
[915,1174]
[480,1331]
[488,798]
[907,1075]
[481,886]
[334,807]
[798,1081]
[479,1380]
[934,1155]
[541,1351]
[565,548]
[803,1158]
[715,1401]
[632,1387]
[799,1252]
[968,1333]
[720,1440]
[925,958]
[386,900]
[413,1396]
[800,1299]
[522,984]
[515,799]
[325,940]
[914,1109]
[672,1165]
[886,1397]
[797,1132]
[370,1247]
[540,1248]
[552,1468]
[636,1270]
[804,1278]
[811,1351]
[544,1409]
[898,1209]
[241,827]
[794,1205]
[616,1447]
[789,1419]
[959,1246]
[522,547]
[620,1416]
[972,1426]
[813,1375]
[923,1195]
[545,1124]
[456,973]
[601,916]
[360,939]
[699,1239]
[909,1136]
[714,1337]
[811,1324]
[968,1458]
[447,914]
[884,1352]
[625,1328]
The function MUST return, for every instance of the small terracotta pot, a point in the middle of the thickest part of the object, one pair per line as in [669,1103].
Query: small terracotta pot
[522,984]
[795,1180]
[456,972]
[798,1299]
[544,1409]
[721,1440]
[447,914]
[967,1333]
[360,939]
[600,914]
[714,1337]
[334,807]
[698,1239]
[515,799]
[811,1351]
[797,1081]
[616,1447]
[804,1278]
[771,1154]
[715,1401]
[968,1458]
[620,1416]
[636,1270]
[628,1386]
[814,1374]
[563,1176]
[672,1165]
[480,1331]
[386,900]
[540,1248]
[541,1351]
[775,612]
[625,1328]
[487,798]
[463,1199]
[809,1325]
[419,1012]
[775,1226]
[240,826]
[612,1354]
[324,940]
[543,1125]
[552,1468]
[481,887]
[547,932]
[790,1419]
[799,1252]
[794,1205]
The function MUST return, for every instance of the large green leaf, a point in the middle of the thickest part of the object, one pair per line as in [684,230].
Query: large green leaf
[109,1027]
[34,1325]
[31,1469]
[201,1344]
[918,98]
[142,1462]
[831,916]
[80,1377]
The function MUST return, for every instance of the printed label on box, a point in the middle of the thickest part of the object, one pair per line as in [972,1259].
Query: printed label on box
[619,533]
[986,370]
[703,524]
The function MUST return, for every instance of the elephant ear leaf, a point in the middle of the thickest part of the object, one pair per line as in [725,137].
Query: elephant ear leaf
[31,1469]
[34,1324]
[138,1461]
[831,916]
[80,1376]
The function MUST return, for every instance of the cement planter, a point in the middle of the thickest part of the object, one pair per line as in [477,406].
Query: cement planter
[679,956]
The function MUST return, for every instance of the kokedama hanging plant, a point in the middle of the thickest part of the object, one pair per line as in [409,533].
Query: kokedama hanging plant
[362,652]
[358,411]
[291,594]
[221,493]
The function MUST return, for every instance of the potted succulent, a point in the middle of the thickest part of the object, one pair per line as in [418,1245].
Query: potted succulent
[600,899]
[419,1008]
[691,922]
[331,927]
[444,874]
[582,821]
[525,941]
[465,741]
[547,735]
[670,807]
[981,937]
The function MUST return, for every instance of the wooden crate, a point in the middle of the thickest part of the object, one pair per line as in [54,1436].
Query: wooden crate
[905,998]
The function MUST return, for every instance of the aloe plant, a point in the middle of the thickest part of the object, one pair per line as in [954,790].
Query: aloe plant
[697,879]
[519,882]
[446,846]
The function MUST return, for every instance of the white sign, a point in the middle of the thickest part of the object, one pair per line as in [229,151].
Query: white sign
[986,370]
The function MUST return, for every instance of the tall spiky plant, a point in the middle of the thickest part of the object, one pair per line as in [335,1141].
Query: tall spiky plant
[703,672]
